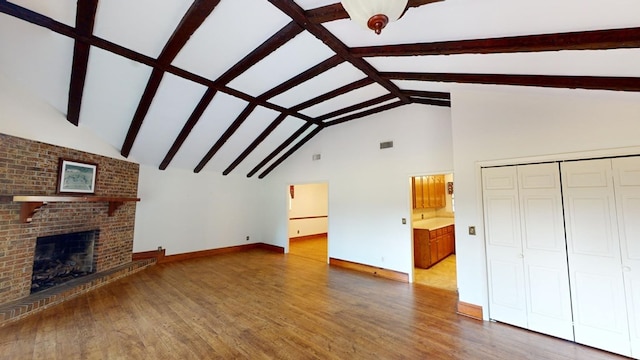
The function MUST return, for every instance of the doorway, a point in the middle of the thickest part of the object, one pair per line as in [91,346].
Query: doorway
[432,223]
[309,221]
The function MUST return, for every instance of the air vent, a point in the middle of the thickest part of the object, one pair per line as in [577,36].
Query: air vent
[386,144]
[315,157]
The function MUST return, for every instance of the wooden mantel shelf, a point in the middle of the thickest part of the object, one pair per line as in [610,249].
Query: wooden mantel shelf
[31,204]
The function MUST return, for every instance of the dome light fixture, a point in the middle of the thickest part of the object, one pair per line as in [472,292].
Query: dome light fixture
[374,14]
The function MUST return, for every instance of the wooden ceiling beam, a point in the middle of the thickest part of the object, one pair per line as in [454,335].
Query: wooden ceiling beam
[365,113]
[264,103]
[281,147]
[37,19]
[339,91]
[550,81]
[298,145]
[435,102]
[191,21]
[302,77]
[274,124]
[188,126]
[289,152]
[581,40]
[356,107]
[150,90]
[267,47]
[65,30]
[85,19]
[295,12]
[331,94]
[428,94]
[280,38]
[336,11]
[226,136]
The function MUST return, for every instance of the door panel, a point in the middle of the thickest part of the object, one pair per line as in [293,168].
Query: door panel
[545,258]
[542,217]
[592,225]
[502,220]
[597,287]
[507,300]
[506,273]
[627,188]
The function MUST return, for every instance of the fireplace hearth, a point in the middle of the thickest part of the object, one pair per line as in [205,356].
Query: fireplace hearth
[64,257]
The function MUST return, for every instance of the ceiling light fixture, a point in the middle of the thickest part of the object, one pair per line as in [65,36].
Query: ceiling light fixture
[374,14]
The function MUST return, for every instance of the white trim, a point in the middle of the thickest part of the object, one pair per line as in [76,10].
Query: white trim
[579,155]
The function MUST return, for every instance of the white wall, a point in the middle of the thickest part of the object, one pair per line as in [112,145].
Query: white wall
[310,200]
[500,125]
[369,188]
[24,115]
[183,211]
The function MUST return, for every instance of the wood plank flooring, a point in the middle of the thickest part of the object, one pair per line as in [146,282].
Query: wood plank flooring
[311,247]
[442,275]
[262,305]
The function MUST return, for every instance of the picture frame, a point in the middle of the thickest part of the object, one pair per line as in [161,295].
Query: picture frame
[76,177]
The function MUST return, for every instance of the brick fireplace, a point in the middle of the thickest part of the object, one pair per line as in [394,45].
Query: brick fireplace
[31,168]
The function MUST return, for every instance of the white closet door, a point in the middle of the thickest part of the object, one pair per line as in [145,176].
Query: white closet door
[597,289]
[627,187]
[507,301]
[544,248]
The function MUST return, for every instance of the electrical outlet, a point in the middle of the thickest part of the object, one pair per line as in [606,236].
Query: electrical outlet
[248,237]
[404,221]
[472,230]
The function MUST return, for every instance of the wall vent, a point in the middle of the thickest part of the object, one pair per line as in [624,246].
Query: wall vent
[386,144]
[315,157]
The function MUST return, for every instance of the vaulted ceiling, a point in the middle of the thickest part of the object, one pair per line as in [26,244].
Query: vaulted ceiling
[240,85]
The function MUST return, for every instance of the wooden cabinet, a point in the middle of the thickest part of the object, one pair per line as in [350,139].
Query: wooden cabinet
[431,246]
[440,192]
[421,250]
[428,192]
[417,191]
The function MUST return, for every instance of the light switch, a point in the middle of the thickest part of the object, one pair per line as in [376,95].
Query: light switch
[472,230]
[404,221]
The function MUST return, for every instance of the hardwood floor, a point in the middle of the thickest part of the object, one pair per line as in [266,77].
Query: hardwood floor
[442,275]
[312,247]
[263,305]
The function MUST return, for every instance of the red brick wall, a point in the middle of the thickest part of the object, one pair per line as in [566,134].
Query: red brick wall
[31,168]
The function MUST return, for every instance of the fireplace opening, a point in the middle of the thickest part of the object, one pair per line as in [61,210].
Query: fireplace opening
[64,257]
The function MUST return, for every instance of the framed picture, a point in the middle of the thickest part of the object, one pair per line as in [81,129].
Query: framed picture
[76,177]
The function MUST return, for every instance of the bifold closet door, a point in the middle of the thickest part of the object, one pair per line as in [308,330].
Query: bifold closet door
[595,264]
[526,250]
[545,250]
[626,173]
[507,299]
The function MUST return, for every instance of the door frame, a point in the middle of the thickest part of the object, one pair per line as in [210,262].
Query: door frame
[410,219]
[288,194]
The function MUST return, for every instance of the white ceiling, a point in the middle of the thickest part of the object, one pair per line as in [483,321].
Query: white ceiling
[42,60]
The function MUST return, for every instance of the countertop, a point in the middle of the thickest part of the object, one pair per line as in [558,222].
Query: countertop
[432,224]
